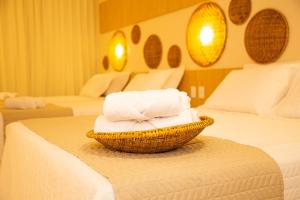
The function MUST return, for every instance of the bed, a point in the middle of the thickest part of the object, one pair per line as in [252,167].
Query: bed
[90,101]
[63,175]
[77,105]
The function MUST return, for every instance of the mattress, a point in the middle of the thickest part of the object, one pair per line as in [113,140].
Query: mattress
[279,137]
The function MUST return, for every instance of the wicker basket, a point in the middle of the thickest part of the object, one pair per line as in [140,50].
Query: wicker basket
[152,141]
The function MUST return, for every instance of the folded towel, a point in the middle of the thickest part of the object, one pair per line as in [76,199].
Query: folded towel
[5,95]
[104,125]
[24,103]
[145,105]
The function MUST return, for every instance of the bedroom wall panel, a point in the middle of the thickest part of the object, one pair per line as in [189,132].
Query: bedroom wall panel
[120,13]
[171,28]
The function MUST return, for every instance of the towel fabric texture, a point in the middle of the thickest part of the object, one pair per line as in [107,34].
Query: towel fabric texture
[146,110]
[104,125]
[5,95]
[145,105]
[24,103]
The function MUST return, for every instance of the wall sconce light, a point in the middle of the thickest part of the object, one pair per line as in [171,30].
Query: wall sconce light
[118,51]
[206,34]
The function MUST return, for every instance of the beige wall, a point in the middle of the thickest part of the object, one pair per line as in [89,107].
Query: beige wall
[171,29]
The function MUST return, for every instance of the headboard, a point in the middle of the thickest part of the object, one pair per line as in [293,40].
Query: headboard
[199,84]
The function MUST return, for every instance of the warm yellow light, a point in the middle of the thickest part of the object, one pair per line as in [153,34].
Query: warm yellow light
[206,35]
[119,51]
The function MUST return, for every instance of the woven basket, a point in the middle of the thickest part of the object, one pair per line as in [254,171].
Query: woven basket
[152,141]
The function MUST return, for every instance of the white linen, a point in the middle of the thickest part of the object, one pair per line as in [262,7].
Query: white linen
[254,90]
[290,104]
[145,105]
[4,95]
[153,80]
[66,99]
[278,137]
[174,78]
[97,85]
[104,125]
[80,106]
[24,102]
[118,82]
[44,169]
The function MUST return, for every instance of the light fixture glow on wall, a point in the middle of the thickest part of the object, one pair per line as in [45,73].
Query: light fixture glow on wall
[117,52]
[206,34]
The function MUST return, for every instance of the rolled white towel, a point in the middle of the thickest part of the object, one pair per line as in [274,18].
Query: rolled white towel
[145,105]
[5,95]
[24,103]
[104,125]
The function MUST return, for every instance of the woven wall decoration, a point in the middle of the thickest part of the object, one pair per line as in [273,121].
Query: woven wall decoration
[135,34]
[153,51]
[239,11]
[174,56]
[206,34]
[266,36]
[105,63]
[117,52]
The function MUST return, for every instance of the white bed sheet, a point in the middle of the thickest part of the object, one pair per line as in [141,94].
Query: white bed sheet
[79,104]
[280,138]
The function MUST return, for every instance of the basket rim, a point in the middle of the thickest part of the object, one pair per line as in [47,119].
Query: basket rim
[205,121]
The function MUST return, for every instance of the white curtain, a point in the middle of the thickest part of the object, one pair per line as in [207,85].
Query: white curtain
[47,47]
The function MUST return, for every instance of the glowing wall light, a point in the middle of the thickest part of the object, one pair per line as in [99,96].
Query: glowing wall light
[206,34]
[117,52]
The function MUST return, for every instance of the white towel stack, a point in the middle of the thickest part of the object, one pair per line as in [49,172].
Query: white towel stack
[5,95]
[24,103]
[136,111]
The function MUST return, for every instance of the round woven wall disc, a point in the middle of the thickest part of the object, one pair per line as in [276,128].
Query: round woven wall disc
[153,51]
[174,56]
[105,63]
[239,11]
[135,34]
[206,34]
[266,36]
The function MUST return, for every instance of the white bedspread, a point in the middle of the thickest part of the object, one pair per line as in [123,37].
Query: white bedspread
[66,177]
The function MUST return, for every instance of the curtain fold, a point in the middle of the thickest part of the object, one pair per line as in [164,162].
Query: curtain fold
[47,47]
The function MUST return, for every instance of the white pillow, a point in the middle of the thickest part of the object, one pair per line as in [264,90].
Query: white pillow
[154,80]
[119,81]
[96,85]
[175,78]
[290,104]
[255,90]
